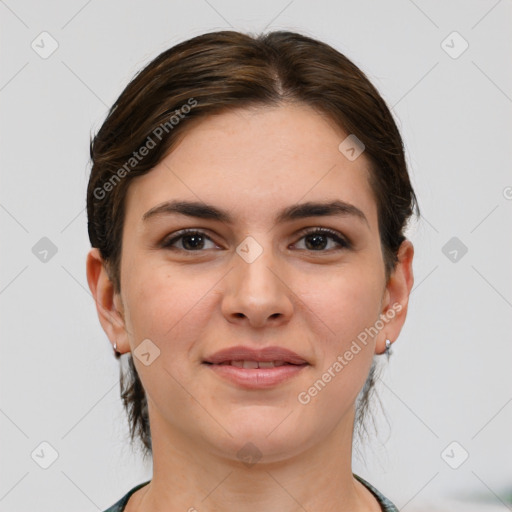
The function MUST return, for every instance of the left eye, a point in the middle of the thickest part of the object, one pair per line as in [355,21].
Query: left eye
[316,240]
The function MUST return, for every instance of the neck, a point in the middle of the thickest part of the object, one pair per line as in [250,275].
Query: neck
[189,477]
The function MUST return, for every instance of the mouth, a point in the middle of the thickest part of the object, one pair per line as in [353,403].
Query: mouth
[253,365]
[256,369]
[242,355]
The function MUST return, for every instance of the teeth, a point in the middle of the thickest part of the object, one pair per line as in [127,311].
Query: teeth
[257,364]
[266,364]
[250,364]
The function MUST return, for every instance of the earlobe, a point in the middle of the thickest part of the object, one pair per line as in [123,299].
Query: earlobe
[396,297]
[108,304]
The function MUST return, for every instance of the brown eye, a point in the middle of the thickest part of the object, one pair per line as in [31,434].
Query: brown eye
[188,240]
[318,239]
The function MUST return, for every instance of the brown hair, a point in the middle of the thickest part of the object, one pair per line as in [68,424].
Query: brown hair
[224,70]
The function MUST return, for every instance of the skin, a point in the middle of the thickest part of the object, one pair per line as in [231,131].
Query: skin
[315,302]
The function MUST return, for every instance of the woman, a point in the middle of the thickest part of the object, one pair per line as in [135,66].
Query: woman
[246,208]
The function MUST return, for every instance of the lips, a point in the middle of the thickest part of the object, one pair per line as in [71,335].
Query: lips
[256,369]
[245,357]
[255,364]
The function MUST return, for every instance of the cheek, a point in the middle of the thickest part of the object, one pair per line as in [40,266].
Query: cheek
[172,309]
[345,308]
[167,310]
[157,302]
[345,303]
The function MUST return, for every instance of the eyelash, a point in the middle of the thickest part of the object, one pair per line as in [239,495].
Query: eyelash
[334,235]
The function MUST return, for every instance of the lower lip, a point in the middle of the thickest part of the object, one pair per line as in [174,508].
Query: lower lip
[257,378]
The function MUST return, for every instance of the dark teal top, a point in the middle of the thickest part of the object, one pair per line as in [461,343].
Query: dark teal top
[385,504]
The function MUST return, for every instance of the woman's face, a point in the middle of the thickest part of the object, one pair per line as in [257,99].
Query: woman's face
[254,279]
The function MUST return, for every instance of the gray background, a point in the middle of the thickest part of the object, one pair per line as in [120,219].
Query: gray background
[449,378]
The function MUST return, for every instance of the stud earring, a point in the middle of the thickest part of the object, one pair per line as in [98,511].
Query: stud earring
[388,351]
[116,353]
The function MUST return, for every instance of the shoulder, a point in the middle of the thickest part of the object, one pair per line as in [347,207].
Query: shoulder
[385,504]
[119,506]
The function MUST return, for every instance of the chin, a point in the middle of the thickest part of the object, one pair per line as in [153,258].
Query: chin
[263,439]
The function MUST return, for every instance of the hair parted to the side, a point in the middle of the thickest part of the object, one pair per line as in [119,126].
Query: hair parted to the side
[215,72]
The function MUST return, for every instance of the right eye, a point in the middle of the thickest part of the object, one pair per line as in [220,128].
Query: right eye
[191,240]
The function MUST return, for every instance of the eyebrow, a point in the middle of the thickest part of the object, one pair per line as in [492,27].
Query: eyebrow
[299,211]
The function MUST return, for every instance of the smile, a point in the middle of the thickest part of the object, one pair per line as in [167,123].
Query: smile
[248,374]
[255,364]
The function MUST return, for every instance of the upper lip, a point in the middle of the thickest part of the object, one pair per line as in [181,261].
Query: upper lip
[267,354]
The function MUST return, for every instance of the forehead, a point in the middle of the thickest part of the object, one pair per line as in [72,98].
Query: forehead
[256,161]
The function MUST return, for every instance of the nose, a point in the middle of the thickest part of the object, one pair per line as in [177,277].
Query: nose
[257,294]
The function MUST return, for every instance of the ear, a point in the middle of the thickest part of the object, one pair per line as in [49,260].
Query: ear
[108,304]
[396,297]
